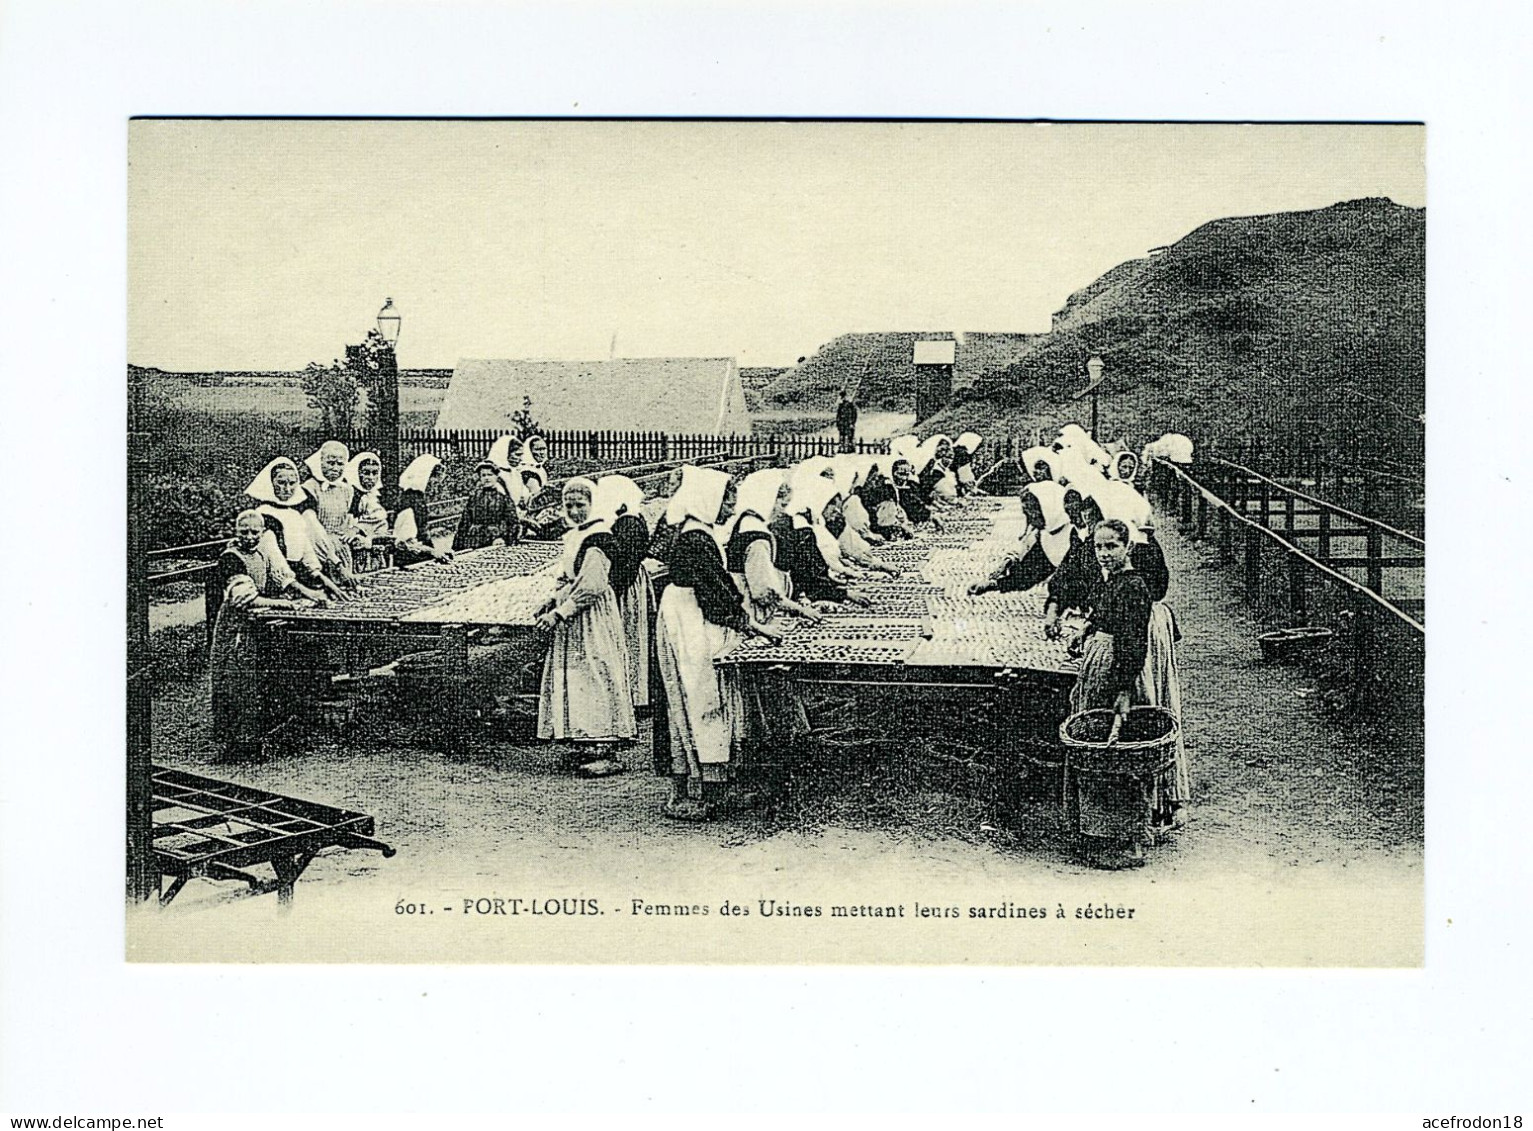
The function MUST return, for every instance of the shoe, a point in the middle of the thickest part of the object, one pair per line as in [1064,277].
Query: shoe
[685,809]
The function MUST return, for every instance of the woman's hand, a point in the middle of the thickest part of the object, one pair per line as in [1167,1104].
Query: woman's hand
[978,587]
[498,542]
[546,622]
[1120,704]
[859,600]
[770,635]
[441,555]
[1051,626]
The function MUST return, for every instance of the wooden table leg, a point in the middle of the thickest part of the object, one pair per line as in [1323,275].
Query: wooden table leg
[455,703]
[288,869]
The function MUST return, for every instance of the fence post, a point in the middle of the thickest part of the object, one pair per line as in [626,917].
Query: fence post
[1296,596]
[1362,647]
[1225,520]
[1288,513]
[1325,535]
[1264,498]
[591,445]
[1253,563]
[1202,516]
[1184,491]
[1375,565]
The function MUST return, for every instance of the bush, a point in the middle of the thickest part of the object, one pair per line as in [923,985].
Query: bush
[184,511]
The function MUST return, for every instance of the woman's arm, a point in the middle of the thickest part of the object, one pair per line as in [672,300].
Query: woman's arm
[1130,632]
[591,582]
[762,581]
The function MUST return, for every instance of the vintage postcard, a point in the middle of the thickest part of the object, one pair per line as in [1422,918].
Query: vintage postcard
[740,542]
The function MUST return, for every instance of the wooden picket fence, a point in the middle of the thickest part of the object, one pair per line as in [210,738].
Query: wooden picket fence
[650,447]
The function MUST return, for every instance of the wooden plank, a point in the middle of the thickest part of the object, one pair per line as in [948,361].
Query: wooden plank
[1363,562]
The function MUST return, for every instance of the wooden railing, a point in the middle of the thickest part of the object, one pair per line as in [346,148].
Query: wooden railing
[1379,644]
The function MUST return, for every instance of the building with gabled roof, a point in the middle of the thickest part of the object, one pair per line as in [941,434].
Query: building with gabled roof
[625,394]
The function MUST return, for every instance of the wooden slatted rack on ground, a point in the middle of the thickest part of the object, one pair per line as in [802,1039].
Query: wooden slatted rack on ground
[207,828]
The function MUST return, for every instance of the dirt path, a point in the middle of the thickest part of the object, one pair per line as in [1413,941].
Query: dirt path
[1286,800]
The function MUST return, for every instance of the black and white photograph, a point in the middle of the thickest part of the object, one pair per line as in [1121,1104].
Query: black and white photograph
[776,541]
[709,561]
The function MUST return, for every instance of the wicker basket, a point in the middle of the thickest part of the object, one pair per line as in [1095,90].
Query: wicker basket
[1146,743]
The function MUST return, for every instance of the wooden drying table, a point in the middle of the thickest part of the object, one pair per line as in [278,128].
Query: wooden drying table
[436,611]
[211,829]
[924,634]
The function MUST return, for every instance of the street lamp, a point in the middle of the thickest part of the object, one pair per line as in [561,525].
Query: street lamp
[388,323]
[1094,369]
[387,415]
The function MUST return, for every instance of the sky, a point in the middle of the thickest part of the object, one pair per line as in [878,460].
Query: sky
[261,245]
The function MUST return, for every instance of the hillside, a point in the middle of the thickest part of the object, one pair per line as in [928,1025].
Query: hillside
[1294,325]
[878,366]
[755,380]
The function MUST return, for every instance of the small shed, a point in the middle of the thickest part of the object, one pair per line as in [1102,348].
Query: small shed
[934,361]
[626,394]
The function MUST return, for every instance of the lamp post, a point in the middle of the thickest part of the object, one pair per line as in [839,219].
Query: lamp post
[1094,369]
[386,416]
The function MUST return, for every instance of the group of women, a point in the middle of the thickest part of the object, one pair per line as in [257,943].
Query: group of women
[313,532]
[1091,541]
[795,541]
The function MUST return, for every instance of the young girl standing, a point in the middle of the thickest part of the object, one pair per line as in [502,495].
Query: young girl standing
[585,699]
[489,517]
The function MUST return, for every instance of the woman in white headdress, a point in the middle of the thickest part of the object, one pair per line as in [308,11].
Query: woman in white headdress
[750,549]
[585,698]
[806,552]
[243,678]
[774,724]
[965,449]
[1029,564]
[365,473]
[288,513]
[505,460]
[412,540]
[1040,463]
[335,499]
[1162,680]
[702,616]
[619,501]
[852,474]
[845,552]
[934,475]
[1055,532]
[531,465]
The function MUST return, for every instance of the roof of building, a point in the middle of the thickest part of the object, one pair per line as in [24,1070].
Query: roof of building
[670,394]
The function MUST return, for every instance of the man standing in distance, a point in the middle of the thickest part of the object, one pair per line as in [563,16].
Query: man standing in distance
[846,420]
